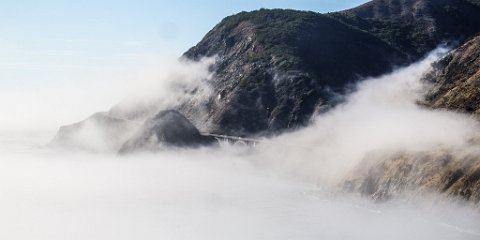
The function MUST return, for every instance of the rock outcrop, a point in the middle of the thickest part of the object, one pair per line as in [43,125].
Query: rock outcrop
[167,129]
[456,80]
[454,173]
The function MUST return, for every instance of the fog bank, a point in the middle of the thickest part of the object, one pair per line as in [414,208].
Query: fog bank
[285,188]
[196,195]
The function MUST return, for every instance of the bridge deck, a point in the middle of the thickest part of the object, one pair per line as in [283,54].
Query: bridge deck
[254,141]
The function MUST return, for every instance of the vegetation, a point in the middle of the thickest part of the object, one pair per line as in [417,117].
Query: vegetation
[407,37]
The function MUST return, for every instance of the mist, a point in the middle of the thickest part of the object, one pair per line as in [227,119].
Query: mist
[156,80]
[382,114]
[284,188]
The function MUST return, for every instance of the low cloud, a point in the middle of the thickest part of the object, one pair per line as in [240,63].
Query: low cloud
[282,189]
[382,114]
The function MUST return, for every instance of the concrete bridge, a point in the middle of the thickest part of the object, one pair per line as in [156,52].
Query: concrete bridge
[239,141]
[252,142]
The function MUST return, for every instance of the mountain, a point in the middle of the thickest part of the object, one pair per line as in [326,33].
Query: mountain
[275,69]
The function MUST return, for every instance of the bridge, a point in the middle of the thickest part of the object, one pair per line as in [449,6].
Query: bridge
[239,141]
[252,142]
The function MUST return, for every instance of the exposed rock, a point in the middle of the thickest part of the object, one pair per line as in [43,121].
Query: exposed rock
[456,80]
[167,129]
[455,173]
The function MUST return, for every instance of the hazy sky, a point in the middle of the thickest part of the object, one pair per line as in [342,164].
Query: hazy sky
[51,41]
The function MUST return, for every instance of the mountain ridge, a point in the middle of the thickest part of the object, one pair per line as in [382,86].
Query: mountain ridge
[415,26]
[275,69]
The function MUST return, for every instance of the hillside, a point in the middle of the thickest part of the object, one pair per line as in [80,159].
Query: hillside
[416,26]
[277,67]
[452,172]
[456,80]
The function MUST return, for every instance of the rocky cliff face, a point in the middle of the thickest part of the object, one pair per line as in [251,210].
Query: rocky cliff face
[456,80]
[452,172]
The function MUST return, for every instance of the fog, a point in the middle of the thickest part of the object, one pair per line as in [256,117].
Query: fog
[284,188]
[381,114]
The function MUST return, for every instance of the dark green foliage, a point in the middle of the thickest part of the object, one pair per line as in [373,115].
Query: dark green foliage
[276,30]
[416,26]
[407,37]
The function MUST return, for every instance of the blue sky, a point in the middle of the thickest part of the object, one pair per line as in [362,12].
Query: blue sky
[54,40]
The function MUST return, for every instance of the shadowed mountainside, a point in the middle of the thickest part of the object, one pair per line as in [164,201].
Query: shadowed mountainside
[416,26]
[277,67]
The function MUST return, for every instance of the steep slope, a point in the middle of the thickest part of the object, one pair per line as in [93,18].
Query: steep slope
[456,80]
[277,67]
[416,26]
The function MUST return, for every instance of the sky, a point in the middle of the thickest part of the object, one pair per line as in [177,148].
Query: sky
[61,40]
